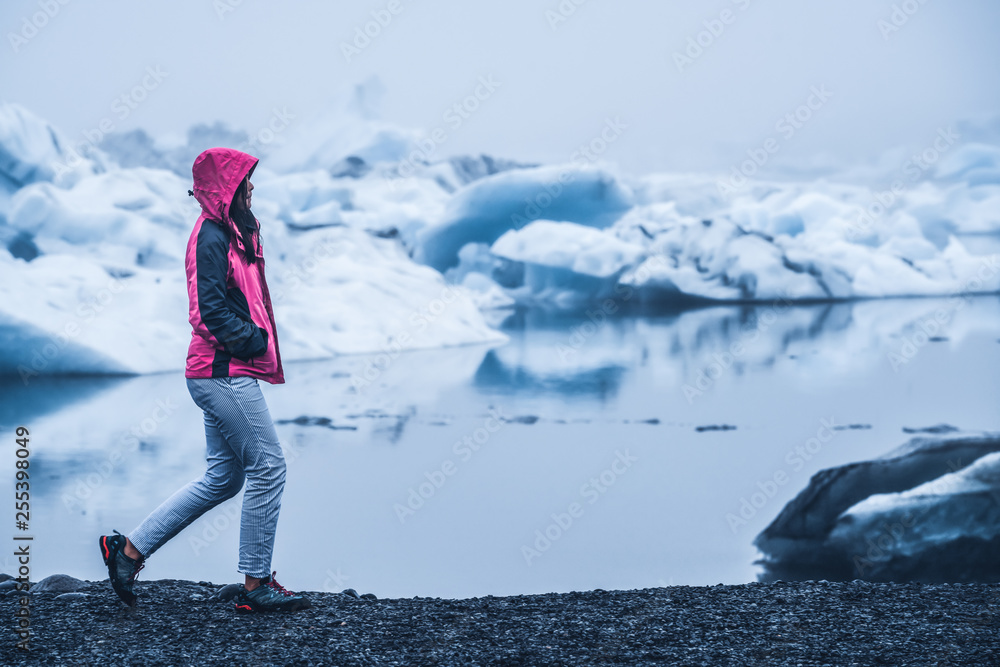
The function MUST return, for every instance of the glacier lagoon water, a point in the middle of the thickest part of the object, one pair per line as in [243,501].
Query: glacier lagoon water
[615,464]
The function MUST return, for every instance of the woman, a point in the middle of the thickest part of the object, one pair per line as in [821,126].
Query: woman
[234,344]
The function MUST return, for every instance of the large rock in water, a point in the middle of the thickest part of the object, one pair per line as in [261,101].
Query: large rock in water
[928,511]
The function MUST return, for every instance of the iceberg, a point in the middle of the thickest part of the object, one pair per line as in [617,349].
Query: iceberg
[801,242]
[32,150]
[348,292]
[483,232]
[338,291]
[928,511]
[568,246]
[801,250]
[484,210]
[137,149]
[712,260]
[564,262]
[92,278]
[67,314]
[468,169]
[123,218]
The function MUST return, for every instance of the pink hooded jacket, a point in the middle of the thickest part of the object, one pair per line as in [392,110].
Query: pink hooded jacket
[230,308]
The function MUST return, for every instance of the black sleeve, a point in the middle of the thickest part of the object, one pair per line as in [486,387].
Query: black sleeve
[240,337]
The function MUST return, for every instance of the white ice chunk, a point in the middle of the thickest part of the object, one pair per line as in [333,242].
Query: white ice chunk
[566,245]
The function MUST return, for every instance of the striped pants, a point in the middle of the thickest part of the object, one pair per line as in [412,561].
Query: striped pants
[242,444]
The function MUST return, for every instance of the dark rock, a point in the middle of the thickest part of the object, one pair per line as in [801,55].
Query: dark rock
[8,585]
[369,596]
[715,427]
[58,583]
[69,597]
[4,576]
[351,593]
[226,593]
[305,420]
[521,419]
[937,429]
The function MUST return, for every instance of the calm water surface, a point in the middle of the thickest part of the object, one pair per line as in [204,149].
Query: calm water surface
[597,477]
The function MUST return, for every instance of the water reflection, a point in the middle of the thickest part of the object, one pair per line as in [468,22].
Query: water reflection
[494,374]
[25,401]
[585,355]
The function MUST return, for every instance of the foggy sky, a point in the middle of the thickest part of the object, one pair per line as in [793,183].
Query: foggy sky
[559,82]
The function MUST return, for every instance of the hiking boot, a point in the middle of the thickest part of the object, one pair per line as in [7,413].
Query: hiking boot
[269,596]
[121,568]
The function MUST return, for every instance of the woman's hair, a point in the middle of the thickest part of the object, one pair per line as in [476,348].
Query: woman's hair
[246,223]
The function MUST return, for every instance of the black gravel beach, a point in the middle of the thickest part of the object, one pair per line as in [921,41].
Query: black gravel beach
[777,623]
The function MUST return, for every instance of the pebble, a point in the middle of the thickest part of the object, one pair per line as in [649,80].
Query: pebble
[66,597]
[226,593]
[815,623]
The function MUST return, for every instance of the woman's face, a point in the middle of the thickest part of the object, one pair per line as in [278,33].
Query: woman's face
[245,202]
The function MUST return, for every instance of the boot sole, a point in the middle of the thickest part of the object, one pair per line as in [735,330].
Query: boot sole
[244,608]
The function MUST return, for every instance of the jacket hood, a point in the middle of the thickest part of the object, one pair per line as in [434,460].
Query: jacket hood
[217,174]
